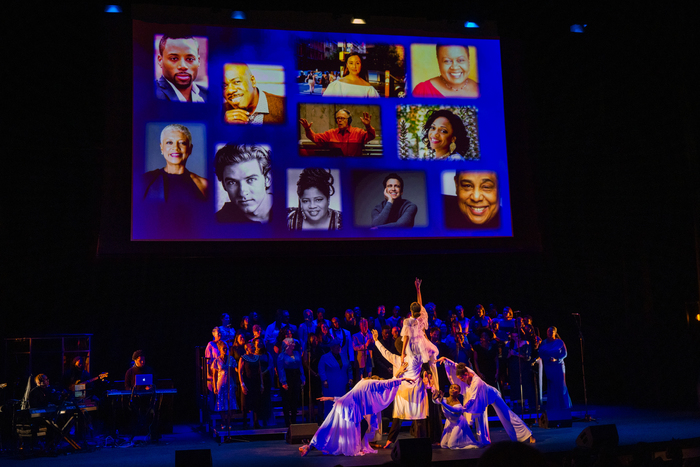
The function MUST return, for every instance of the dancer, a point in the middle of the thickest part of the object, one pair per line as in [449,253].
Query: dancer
[457,434]
[478,396]
[340,433]
[411,401]
[413,332]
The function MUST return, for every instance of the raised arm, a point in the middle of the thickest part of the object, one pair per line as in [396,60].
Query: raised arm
[419,299]
[390,357]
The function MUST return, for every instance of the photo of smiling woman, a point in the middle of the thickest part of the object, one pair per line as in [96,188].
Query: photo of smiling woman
[445,136]
[354,82]
[438,132]
[456,65]
[316,205]
[476,203]
[174,183]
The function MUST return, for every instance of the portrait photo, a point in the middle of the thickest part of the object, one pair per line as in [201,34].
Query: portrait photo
[314,199]
[444,70]
[438,132]
[471,199]
[342,130]
[339,68]
[389,199]
[243,193]
[180,64]
[253,94]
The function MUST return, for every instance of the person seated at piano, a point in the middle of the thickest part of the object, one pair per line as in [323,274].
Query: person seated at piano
[42,395]
[139,368]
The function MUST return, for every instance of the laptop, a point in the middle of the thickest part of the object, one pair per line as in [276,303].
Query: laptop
[144,380]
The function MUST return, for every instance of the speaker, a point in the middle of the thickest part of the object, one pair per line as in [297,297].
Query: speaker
[599,436]
[556,418]
[298,432]
[412,451]
[193,458]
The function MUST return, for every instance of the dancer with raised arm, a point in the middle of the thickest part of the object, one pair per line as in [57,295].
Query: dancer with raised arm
[415,341]
[340,433]
[411,401]
[478,396]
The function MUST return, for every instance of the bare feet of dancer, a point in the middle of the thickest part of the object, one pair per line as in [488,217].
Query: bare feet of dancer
[304,450]
[387,445]
[532,440]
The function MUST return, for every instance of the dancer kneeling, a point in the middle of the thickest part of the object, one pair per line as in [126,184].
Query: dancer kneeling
[340,433]
[456,434]
[478,396]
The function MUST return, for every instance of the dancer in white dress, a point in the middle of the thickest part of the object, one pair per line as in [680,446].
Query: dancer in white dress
[415,341]
[340,433]
[457,434]
[477,397]
[411,401]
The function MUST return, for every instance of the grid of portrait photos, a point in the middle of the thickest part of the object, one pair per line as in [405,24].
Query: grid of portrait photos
[252,134]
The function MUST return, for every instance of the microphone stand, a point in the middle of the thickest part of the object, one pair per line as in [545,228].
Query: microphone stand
[586,416]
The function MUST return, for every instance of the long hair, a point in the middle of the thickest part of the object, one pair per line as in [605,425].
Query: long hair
[363,72]
[458,129]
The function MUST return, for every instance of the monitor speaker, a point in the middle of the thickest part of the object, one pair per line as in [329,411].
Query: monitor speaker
[412,451]
[598,436]
[301,431]
[193,458]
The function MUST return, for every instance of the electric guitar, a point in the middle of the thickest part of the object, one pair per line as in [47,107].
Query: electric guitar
[100,377]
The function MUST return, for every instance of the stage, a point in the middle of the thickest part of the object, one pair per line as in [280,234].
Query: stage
[633,426]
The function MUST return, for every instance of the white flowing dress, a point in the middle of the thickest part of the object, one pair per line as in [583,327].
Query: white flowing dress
[418,343]
[456,434]
[477,397]
[340,89]
[340,432]
[411,401]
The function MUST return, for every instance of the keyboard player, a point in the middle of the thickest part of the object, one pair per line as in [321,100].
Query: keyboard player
[139,368]
[42,395]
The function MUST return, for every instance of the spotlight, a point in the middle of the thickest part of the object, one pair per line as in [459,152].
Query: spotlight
[358,21]
[577,28]
[113,9]
[238,15]
[470,24]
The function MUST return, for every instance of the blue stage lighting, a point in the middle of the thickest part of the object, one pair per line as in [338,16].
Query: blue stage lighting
[238,15]
[577,28]
[470,24]
[113,9]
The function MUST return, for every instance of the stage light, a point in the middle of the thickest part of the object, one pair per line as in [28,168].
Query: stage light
[238,15]
[577,28]
[697,317]
[470,24]
[113,9]
[358,21]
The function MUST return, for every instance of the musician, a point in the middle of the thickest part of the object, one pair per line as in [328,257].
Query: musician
[139,368]
[76,373]
[42,395]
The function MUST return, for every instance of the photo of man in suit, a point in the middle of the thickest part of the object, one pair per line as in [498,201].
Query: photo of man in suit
[244,102]
[179,61]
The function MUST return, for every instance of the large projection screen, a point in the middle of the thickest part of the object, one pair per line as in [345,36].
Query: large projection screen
[258,135]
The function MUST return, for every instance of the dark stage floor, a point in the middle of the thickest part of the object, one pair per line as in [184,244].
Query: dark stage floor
[633,426]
